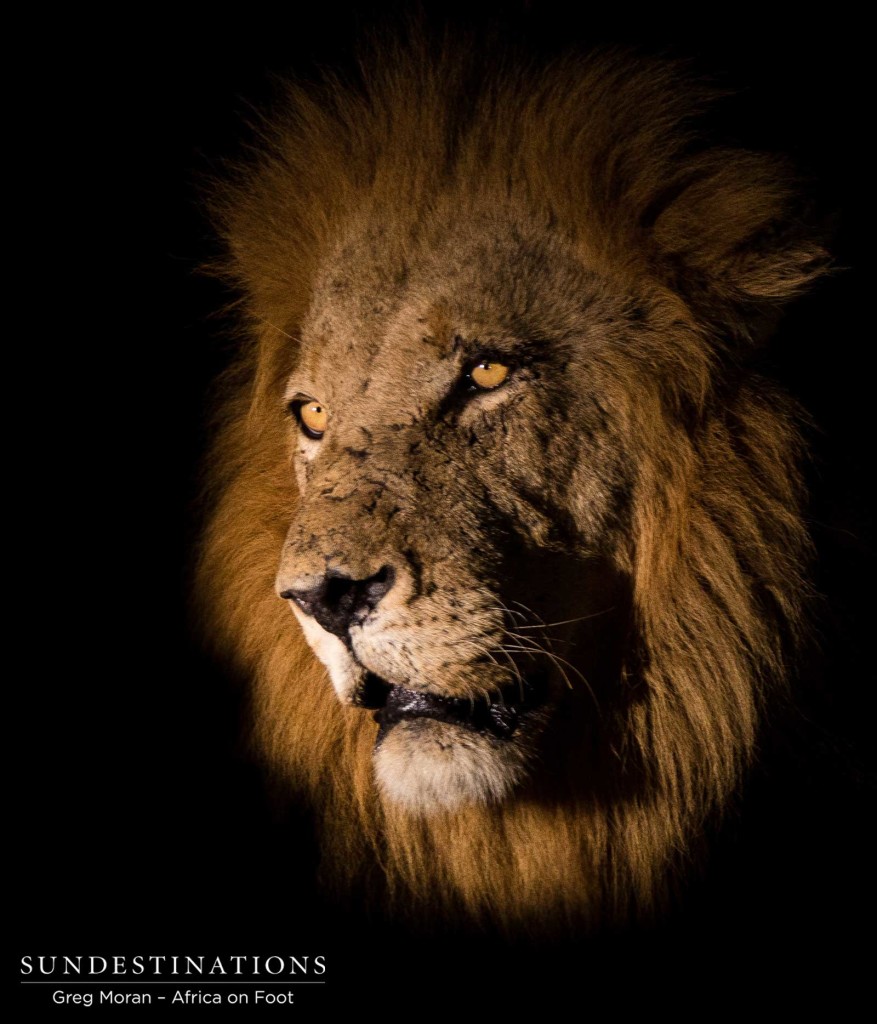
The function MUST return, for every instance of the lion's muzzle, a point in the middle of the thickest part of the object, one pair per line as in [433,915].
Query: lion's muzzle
[336,600]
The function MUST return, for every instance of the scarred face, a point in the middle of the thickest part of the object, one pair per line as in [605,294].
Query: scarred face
[455,558]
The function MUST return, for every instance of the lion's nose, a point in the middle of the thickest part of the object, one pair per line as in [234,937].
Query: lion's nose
[338,601]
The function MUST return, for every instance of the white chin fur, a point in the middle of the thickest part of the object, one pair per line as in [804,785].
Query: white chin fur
[428,766]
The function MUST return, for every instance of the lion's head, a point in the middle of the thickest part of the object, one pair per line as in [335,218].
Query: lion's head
[464,508]
[494,455]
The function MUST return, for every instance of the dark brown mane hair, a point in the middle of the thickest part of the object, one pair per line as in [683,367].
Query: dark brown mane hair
[604,150]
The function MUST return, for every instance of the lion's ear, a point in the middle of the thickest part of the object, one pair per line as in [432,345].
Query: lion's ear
[736,238]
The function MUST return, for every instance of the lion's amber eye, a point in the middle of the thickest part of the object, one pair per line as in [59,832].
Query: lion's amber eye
[312,416]
[486,374]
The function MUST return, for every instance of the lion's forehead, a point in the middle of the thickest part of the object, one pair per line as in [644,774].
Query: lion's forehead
[390,326]
[497,268]
[390,367]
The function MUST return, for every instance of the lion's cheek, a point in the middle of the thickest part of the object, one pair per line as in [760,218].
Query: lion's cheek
[428,766]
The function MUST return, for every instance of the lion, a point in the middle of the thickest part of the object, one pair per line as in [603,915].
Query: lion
[506,532]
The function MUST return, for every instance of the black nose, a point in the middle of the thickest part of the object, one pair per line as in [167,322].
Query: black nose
[339,602]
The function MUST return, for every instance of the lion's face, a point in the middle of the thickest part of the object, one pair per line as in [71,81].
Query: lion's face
[456,559]
[548,528]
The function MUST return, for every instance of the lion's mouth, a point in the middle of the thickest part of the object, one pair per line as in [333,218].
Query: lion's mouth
[500,718]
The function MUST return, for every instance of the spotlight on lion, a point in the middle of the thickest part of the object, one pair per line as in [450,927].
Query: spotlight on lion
[508,535]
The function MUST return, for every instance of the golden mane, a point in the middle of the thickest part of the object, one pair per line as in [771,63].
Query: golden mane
[603,150]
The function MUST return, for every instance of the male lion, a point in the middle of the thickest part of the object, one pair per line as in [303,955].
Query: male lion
[507,533]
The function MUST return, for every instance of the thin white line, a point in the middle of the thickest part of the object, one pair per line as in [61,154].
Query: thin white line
[179,984]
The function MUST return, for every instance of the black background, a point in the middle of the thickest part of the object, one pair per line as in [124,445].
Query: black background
[142,826]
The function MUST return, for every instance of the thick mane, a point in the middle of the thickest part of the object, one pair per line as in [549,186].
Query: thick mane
[603,151]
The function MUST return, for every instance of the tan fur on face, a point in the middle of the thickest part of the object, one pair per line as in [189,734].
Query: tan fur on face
[443,198]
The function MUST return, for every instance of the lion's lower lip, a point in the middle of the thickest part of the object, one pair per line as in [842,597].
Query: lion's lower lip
[394,704]
[476,715]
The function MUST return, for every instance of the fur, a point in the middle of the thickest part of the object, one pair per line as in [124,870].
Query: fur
[677,256]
